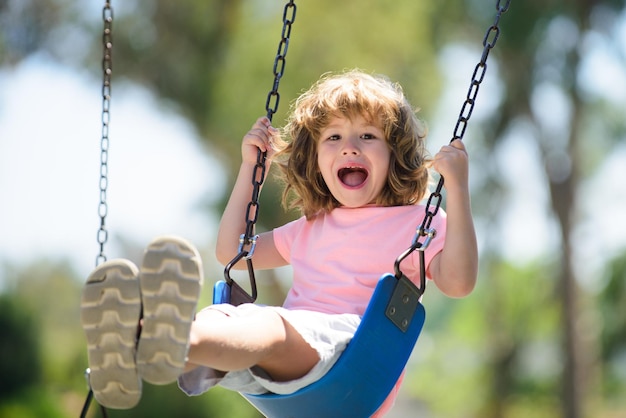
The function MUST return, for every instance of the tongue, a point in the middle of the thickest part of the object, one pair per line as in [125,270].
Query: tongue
[354,178]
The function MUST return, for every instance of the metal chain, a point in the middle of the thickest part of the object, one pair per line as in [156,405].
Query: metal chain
[273,98]
[271,106]
[103,235]
[425,234]
[107,69]
[258,175]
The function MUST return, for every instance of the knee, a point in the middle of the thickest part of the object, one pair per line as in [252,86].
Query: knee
[200,330]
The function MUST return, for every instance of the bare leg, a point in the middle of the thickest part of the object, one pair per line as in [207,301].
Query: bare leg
[263,339]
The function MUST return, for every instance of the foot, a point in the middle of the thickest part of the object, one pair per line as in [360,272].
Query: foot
[110,312]
[170,280]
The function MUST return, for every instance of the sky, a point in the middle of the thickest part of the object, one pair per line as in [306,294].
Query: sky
[50,130]
[161,179]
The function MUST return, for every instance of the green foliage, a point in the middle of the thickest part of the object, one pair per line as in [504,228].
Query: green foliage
[324,38]
[43,356]
[494,354]
[169,401]
[35,403]
[20,362]
[612,305]
[214,59]
[25,27]
[508,324]
[50,293]
[176,50]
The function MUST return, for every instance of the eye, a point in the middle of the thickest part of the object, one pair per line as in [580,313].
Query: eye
[334,137]
[368,136]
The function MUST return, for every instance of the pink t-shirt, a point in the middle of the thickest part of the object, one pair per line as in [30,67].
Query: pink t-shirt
[337,258]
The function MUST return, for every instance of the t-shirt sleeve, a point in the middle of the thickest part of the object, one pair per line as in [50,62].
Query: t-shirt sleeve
[285,235]
[436,245]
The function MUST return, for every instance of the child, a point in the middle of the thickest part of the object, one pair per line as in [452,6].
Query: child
[355,165]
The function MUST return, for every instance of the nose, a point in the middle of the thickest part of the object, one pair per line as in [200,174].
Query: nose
[351,146]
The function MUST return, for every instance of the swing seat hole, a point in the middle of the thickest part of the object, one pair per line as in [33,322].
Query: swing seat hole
[403,304]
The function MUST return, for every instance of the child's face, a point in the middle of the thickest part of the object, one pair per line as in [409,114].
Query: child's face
[353,158]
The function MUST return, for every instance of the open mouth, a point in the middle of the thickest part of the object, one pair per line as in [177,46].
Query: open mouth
[352,176]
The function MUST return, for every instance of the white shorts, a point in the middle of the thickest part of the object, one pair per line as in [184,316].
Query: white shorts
[328,334]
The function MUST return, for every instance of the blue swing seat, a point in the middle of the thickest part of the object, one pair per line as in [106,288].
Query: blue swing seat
[368,369]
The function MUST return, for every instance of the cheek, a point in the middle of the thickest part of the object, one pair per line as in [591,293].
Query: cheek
[384,178]
[323,163]
[325,176]
[386,161]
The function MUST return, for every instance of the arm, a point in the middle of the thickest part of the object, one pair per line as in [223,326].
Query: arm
[455,269]
[233,222]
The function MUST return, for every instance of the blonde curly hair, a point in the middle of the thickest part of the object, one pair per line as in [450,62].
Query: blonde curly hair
[349,94]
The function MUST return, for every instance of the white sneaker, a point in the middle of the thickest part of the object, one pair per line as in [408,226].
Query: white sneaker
[115,298]
[170,279]
[110,312]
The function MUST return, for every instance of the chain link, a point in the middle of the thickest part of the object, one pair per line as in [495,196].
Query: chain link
[424,233]
[107,69]
[273,98]
[103,235]
[271,106]
[248,238]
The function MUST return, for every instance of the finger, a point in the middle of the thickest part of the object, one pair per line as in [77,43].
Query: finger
[263,137]
[458,144]
[261,134]
[261,123]
[264,122]
[259,131]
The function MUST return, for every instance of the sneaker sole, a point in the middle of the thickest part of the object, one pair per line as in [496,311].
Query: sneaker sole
[110,311]
[170,280]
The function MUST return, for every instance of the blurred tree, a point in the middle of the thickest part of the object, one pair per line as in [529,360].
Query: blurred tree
[612,305]
[542,45]
[557,65]
[177,50]
[542,52]
[43,356]
[20,359]
[491,356]
[25,27]
[49,292]
[212,61]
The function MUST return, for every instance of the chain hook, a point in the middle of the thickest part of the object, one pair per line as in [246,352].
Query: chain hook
[458,133]
[258,175]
